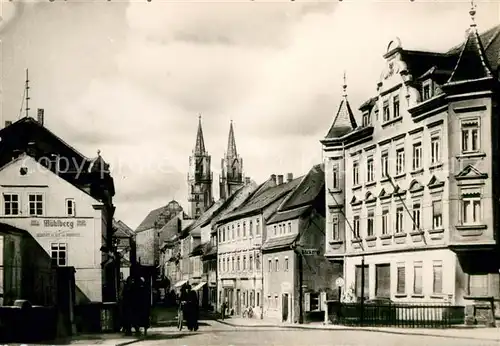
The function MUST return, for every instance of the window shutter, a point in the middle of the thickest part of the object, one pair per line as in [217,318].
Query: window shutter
[307,302]
[401,280]
[437,208]
[383,280]
[437,278]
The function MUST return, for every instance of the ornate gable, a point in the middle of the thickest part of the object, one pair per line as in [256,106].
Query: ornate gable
[415,186]
[470,172]
[370,198]
[355,201]
[398,191]
[435,183]
[384,195]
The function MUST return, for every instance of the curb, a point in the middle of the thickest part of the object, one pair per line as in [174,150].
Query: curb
[366,329]
[128,342]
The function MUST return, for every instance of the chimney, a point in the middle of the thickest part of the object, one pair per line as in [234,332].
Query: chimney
[280,179]
[8,123]
[39,115]
[273,178]
[247,180]
[31,149]
[289,177]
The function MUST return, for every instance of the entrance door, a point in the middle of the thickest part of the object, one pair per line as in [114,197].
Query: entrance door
[284,306]
[238,303]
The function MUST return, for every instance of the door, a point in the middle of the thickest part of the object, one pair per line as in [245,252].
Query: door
[238,303]
[284,307]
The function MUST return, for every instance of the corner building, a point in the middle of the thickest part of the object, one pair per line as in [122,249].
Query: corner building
[411,180]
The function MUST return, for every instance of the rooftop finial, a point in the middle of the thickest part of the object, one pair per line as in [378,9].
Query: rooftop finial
[98,152]
[344,86]
[472,13]
[199,116]
[27,94]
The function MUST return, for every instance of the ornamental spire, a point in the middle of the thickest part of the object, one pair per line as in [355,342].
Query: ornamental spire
[231,143]
[199,148]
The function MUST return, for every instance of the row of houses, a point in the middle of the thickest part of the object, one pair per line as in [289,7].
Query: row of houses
[407,186]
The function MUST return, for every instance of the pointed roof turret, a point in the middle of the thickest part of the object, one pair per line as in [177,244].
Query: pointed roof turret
[231,143]
[472,63]
[344,121]
[199,148]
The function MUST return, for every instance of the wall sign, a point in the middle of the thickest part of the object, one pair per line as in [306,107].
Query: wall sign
[58,228]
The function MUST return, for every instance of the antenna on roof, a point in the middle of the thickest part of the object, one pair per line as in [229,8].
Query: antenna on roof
[27,88]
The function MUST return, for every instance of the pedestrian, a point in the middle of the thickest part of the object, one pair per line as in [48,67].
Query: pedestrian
[224,307]
[195,309]
[127,310]
[143,305]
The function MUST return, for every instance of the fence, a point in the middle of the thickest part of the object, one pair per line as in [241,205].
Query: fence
[397,315]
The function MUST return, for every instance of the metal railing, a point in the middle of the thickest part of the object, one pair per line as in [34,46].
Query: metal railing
[405,315]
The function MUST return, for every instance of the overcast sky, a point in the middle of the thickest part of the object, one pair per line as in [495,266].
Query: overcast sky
[130,78]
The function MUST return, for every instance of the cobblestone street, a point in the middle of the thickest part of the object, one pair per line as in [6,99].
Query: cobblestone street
[215,333]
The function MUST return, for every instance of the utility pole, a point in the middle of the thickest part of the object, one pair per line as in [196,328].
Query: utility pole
[362,302]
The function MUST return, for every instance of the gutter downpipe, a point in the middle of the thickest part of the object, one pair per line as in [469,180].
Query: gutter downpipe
[262,268]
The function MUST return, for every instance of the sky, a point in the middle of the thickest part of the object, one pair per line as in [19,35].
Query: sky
[130,78]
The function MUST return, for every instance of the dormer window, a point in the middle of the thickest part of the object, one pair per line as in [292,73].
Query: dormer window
[426,90]
[366,119]
[387,114]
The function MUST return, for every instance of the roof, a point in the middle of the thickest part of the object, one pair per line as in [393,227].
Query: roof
[279,242]
[280,216]
[472,63]
[306,192]
[157,218]
[199,148]
[206,216]
[209,250]
[121,229]
[170,231]
[343,122]
[262,198]
[198,250]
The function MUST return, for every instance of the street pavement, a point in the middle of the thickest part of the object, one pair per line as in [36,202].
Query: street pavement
[216,333]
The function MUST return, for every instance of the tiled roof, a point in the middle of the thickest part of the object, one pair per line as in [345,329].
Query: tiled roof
[121,229]
[279,242]
[206,216]
[263,198]
[198,250]
[344,121]
[308,189]
[280,216]
[472,63]
[157,218]
[209,250]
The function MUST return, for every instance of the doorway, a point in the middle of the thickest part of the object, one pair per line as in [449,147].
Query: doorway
[284,307]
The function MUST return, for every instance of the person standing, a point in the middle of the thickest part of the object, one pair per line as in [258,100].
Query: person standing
[195,309]
[224,307]
[127,305]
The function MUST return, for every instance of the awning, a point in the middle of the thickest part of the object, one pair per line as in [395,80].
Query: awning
[180,283]
[200,285]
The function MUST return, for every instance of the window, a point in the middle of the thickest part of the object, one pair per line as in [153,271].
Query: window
[257,261]
[416,216]
[369,170]
[417,278]
[250,263]
[395,106]
[366,119]
[437,214]
[258,298]
[387,115]
[358,281]
[435,149]
[356,227]
[369,224]
[281,229]
[401,279]
[385,221]
[238,264]
[471,210]
[417,156]
[11,204]
[35,204]
[400,161]
[58,254]
[224,234]
[426,91]
[238,231]
[232,264]
[232,231]
[244,230]
[383,280]
[220,233]
[289,227]
[250,229]
[335,228]
[335,176]
[478,285]
[257,227]
[270,262]
[275,229]
[286,264]
[277,264]
[244,262]
[470,136]
[385,164]
[355,173]
[399,219]
[437,280]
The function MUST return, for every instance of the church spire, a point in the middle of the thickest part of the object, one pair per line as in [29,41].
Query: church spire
[199,149]
[231,143]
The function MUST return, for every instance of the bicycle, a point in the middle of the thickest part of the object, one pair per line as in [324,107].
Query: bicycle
[180,316]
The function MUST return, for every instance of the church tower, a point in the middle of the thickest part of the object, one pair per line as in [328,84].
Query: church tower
[231,178]
[199,177]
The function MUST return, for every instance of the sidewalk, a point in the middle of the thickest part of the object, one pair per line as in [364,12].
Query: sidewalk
[461,332]
[108,339]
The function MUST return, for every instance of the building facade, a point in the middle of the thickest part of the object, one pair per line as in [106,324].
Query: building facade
[297,276]
[200,176]
[411,182]
[240,236]
[231,178]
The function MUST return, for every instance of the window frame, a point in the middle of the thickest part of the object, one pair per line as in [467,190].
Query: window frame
[418,279]
[400,217]
[417,156]
[400,281]
[400,161]
[467,202]
[469,144]
[385,221]
[437,264]
[11,203]
[56,248]
[384,162]
[370,170]
[396,106]
[335,228]
[355,222]
[370,227]
[33,205]
[435,148]
[355,173]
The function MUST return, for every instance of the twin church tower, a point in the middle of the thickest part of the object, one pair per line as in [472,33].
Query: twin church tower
[200,176]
